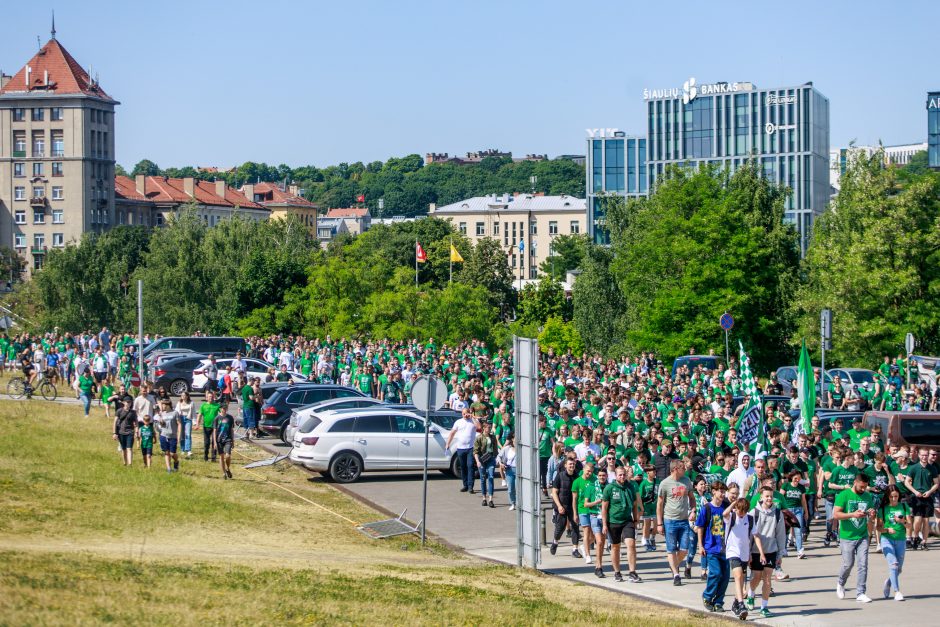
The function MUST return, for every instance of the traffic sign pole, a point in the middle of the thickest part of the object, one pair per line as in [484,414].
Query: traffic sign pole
[428,393]
[727,322]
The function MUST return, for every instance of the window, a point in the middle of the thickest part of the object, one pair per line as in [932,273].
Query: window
[39,144]
[513,262]
[57,216]
[19,115]
[58,145]
[613,165]
[57,194]
[39,240]
[407,424]
[344,426]
[533,272]
[463,228]
[19,241]
[373,424]
[39,192]
[38,115]
[553,228]
[39,216]
[19,170]
[496,229]
[20,216]
[481,229]
[534,227]
[575,224]
[505,234]
[55,113]
[56,168]
[19,193]
[19,144]
[37,168]
[58,240]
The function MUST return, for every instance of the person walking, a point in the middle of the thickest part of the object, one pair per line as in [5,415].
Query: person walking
[740,536]
[125,428]
[209,410]
[564,507]
[485,448]
[249,409]
[168,421]
[770,527]
[894,521]
[462,436]
[223,439]
[853,509]
[507,462]
[582,491]
[545,439]
[922,481]
[674,503]
[86,391]
[187,413]
[620,511]
[710,527]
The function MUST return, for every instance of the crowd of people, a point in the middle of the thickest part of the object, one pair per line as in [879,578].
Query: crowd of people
[629,451]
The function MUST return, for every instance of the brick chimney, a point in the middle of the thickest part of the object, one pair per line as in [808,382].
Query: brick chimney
[189,186]
[141,182]
[249,191]
[220,189]
[293,190]
[4,79]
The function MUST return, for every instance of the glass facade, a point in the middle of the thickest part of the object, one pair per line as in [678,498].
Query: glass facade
[933,129]
[615,165]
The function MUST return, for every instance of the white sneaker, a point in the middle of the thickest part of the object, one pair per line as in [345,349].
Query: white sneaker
[863,598]
[840,591]
[503,482]
[779,575]
[587,559]
[898,596]
[887,588]
[512,507]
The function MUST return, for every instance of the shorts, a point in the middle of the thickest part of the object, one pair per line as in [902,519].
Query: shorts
[146,451]
[735,562]
[584,520]
[618,533]
[922,507]
[757,565]
[597,523]
[101,376]
[168,445]
[678,535]
[225,447]
[248,418]
[126,441]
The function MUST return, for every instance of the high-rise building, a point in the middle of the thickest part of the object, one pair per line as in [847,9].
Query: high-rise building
[898,155]
[615,164]
[933,129]
[56,154]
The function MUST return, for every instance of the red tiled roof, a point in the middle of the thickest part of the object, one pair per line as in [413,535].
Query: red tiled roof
[349,212]
[169,190]
[66,76]
[275,195]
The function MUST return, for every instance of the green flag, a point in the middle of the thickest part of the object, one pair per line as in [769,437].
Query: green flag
[806,390]
[751,425]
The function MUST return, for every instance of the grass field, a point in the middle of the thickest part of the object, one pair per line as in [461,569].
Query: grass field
[84,540]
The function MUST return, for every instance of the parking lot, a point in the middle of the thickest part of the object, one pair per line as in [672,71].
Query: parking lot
[807,598]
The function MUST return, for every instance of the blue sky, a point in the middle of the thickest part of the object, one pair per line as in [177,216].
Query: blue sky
[220,83]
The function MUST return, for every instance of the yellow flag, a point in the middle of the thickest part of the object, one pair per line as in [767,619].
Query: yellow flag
[454,255]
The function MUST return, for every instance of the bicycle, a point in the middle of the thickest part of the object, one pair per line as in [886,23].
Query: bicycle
[17,389]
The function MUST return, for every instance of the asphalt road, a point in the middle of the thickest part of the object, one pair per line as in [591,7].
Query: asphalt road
[808,597]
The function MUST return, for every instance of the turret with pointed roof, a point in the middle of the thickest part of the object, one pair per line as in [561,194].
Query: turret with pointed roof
[54,71]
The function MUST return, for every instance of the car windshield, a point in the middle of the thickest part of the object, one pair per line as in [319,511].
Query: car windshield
[309,424]
[921,430]
[862,376]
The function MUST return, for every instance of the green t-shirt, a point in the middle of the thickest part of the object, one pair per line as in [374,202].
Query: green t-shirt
[585,489]
[841,476]
[647,492]
[208,411]
[850,501]
[146,436]
[877,479]
[792,496]
[545,443]
[364,382]
[922,477]
[620,498]
[895,530]
[248,398]
[856,436]
[85,384]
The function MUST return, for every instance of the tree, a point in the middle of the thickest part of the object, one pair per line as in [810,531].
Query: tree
[566,254]
[874,260]
[703,243]
[147,168]
[485,266]
[598,302]
[542,301]
[561,337]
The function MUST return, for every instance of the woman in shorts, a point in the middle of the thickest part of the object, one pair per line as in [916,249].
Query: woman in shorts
[125,428]
[739,533]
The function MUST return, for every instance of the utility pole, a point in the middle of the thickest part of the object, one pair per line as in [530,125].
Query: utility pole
[140,329]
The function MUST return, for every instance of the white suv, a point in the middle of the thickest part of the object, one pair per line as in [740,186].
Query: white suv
[253,368]
[347,442]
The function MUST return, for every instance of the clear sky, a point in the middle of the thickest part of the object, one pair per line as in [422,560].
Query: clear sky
[219,83]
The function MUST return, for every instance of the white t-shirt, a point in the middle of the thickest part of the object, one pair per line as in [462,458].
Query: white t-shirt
[738,537]
[465,432]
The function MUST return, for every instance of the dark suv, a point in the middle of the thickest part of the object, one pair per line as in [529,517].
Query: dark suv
[275,413]
[176,375]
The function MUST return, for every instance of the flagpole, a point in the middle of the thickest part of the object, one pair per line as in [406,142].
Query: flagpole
[416,263]
[451,277]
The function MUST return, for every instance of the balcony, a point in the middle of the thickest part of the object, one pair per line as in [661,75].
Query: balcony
[19,154]
[37,201]
[38,250]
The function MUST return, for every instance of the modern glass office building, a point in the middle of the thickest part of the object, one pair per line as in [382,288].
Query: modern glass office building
[616,164]
[933,129]
[786,130]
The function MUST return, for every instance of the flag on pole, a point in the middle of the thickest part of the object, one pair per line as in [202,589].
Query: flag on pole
[454,255]
[752,426]
[806,392]
[361,198]
[420,255]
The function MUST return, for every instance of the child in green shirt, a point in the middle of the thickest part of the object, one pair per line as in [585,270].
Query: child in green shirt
[145,436]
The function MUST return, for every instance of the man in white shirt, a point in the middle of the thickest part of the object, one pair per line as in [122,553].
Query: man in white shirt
[462,436]
[586,447]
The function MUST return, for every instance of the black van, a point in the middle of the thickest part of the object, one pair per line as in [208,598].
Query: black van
[218,346]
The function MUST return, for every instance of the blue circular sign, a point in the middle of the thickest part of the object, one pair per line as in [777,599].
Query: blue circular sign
[726,321]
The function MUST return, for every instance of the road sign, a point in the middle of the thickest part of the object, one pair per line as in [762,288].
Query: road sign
[428,393]
[135,380]
[726,321]
[825,324]
[909,343]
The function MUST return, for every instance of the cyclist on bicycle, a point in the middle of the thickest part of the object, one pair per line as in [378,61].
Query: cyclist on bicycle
[29,372]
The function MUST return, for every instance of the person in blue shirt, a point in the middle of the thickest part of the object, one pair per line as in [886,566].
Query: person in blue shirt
[710,527]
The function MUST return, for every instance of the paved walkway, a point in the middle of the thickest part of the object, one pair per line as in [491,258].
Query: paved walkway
[807,598]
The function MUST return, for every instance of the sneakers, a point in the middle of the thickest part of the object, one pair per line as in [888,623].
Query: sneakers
[765,613]
[704,575]
[840,591]
[750,603]
[898,596]
[649,546]
[863,598]
[617,576]
[512,506]
[503,483]
[677,580]
[472,491]
[587,559]
[229,473]
[708,605]
[801,555]
[599,573]
[575,553]
[483,503]
[463,489]
[741,612]
[688,571]
[887,588]
[632,577]
[492,504]
[718,609]
[779,575]
[553,548]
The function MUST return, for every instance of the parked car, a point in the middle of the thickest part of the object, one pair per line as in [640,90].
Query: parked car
[299,417]
[709,362]
[345,443]
[176,375]
[787,374]
[218,346]
[913,428]
[853,376]
[828,416]
[158,358]
[276,411]
[254,368]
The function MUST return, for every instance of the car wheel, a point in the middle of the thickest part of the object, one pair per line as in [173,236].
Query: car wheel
[345,468]
[178,387]
[283,433]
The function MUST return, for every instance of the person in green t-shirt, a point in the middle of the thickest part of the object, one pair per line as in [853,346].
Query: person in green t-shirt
[249,410]
[647,493]
[793,498]
[107,391]
[620,510]
[854,510]
[922,481]
[208,411]
[894,522]
[582,490]
[145,436]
